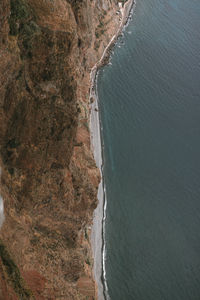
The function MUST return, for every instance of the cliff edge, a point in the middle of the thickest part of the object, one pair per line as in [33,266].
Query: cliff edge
[49,179]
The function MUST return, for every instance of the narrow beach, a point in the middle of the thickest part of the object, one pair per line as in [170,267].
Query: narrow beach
[97,235]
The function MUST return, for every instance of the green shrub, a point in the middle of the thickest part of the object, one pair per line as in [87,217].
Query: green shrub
[88,261]
[14,274]
[19,13]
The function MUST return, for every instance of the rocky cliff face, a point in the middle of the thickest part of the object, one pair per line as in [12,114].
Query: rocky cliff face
[49,179]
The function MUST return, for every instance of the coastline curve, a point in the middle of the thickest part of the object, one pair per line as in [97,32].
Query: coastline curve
[98,228]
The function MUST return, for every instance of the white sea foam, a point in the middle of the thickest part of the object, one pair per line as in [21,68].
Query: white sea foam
[107,297]
[1,211]
[97,146]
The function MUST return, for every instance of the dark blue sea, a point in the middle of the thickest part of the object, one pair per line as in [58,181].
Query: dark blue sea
[150,112]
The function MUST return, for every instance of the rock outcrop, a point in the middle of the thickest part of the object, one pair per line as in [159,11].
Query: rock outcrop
[49,179]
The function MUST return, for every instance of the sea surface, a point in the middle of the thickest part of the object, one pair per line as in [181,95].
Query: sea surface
[150,112]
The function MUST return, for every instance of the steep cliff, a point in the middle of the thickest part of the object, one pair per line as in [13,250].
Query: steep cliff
[49,179]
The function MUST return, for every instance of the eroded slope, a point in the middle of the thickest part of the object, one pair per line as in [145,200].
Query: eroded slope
[49,179]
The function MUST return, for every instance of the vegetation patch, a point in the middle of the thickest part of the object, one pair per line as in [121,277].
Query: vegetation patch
[100,28]
[19,14]
[96,45]
[88,262]
[22,23]
[86,234]
[14,274]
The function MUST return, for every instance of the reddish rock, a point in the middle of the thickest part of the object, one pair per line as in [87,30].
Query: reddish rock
[36,282]
[86,286]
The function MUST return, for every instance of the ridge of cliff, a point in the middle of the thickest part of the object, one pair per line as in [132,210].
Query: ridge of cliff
[49,179]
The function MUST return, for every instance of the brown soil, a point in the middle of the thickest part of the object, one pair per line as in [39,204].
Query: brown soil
[49,179]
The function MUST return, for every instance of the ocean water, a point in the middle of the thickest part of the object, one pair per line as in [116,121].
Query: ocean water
[150,111]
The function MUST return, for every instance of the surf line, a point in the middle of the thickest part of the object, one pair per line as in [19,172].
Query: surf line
[127,12]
